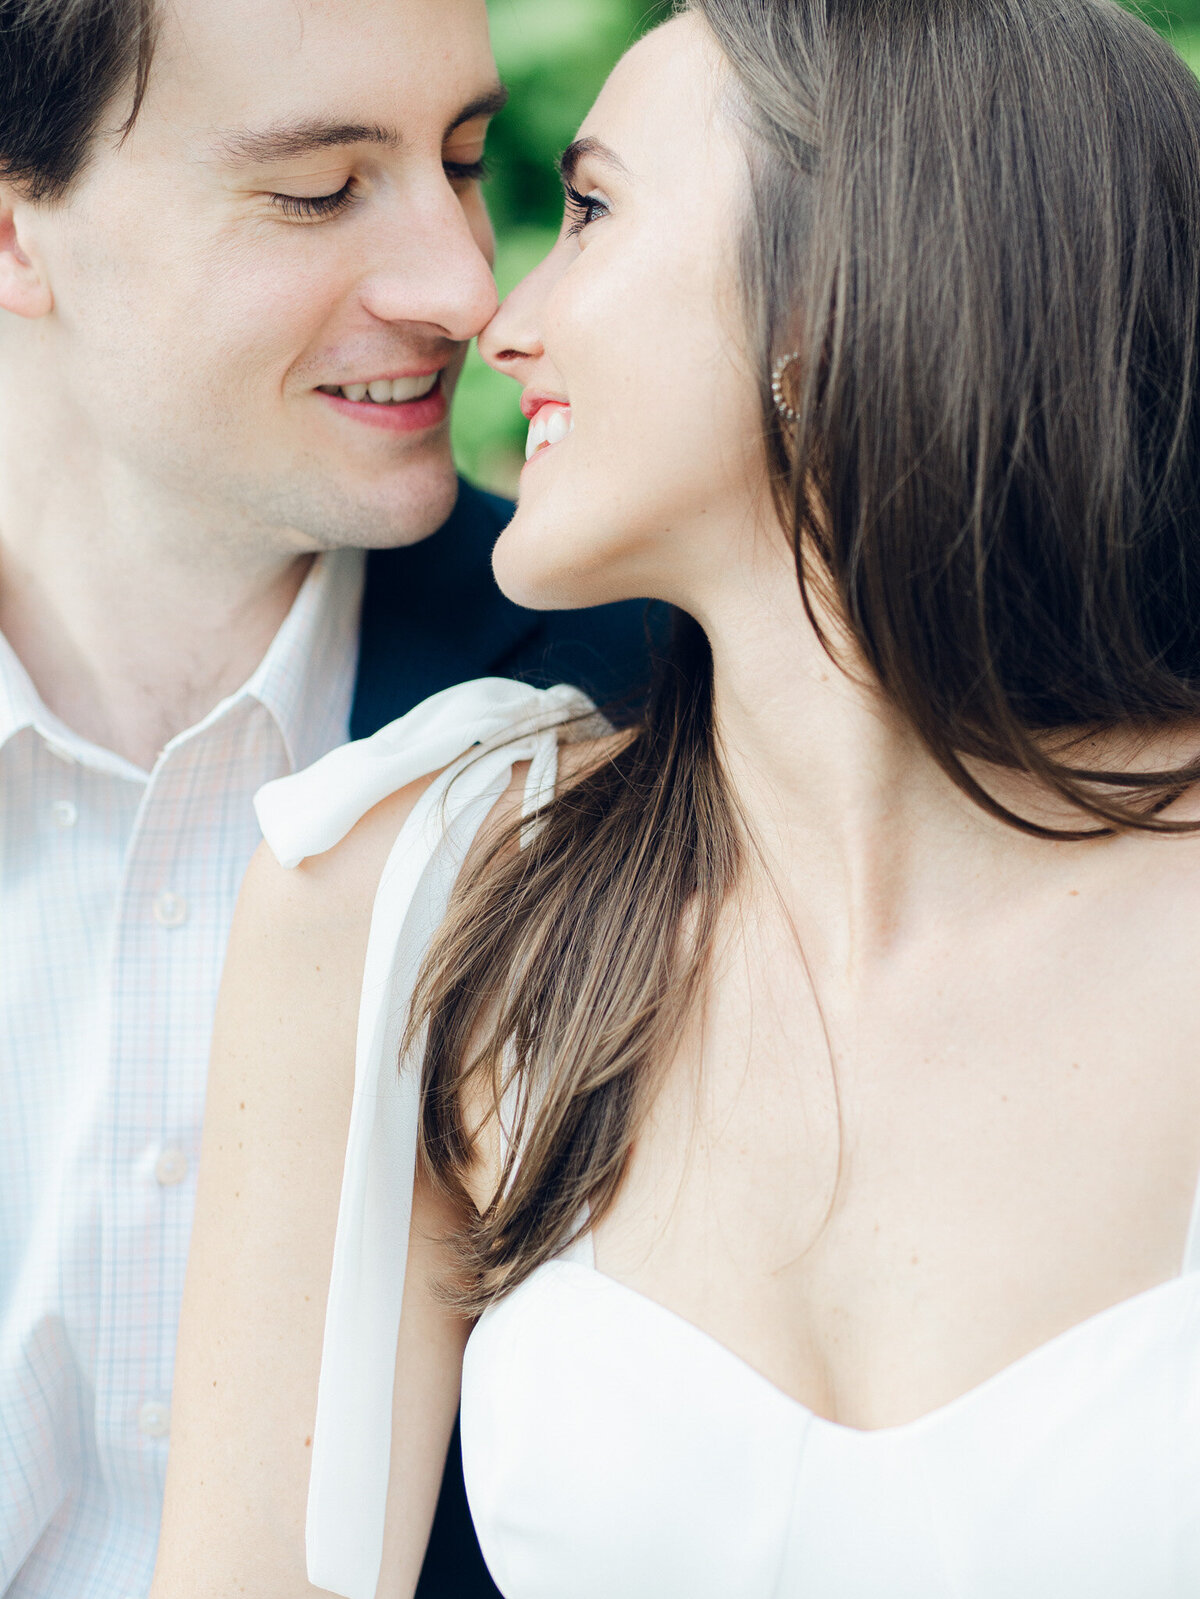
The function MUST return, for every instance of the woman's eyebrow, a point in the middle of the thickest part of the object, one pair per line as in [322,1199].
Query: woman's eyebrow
[596,149]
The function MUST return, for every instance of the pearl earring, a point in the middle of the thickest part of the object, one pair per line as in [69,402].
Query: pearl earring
[786,410]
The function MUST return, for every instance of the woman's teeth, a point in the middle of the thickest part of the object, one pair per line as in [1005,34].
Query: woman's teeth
[386,391]
[550,426]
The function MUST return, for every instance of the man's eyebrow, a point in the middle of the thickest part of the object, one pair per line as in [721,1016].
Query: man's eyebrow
[286,140]
[488,104]
[597,149]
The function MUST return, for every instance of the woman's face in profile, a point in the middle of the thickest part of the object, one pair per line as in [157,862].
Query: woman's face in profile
[628,341]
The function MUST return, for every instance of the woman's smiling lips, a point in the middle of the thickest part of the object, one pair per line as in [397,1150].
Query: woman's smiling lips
[408,403]
[550,422]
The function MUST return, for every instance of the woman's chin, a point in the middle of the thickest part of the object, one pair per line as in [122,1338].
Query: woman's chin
[554,570]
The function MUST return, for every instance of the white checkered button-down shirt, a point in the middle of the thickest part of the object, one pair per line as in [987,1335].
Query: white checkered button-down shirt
[117,888]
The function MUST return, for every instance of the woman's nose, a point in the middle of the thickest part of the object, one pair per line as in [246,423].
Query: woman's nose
[512,341]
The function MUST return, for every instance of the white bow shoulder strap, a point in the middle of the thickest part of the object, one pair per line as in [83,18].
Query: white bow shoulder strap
[305,815]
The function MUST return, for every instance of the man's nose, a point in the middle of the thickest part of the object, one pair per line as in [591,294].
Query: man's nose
[433,267]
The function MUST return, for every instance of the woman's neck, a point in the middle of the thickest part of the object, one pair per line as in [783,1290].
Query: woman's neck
[850,810]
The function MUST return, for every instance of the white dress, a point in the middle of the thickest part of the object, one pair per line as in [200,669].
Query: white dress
[614,1451]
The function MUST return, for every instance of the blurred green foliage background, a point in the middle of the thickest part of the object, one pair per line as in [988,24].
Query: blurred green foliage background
[555,55]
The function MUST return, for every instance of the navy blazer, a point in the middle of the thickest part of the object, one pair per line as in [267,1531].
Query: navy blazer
[432,617]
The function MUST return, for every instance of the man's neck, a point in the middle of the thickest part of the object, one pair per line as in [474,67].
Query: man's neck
[130,647]
[136,606]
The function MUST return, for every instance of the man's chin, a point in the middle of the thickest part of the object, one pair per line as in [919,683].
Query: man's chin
[409,508]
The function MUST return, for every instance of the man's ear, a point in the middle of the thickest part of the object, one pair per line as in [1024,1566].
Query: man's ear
[24,288]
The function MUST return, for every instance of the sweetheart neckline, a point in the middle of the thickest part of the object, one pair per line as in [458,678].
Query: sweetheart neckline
[1031,1357]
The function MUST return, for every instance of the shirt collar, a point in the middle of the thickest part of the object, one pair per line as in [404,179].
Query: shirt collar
[19,703]
[21,706]
[306,678]
[305,681]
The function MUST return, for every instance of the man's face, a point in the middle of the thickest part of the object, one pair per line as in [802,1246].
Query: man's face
[296,212]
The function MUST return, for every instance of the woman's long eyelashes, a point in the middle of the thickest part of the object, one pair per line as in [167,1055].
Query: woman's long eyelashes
[582,209]
[314,207]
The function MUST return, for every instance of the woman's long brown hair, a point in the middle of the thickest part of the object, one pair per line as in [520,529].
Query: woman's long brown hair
[979,221]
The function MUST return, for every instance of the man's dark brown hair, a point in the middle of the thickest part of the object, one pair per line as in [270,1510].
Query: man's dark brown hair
[63,65]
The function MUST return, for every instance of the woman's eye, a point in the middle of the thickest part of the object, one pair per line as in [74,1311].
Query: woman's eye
[582,209]
[313,207]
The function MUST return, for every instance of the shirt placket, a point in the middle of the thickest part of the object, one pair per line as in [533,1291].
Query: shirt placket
[193,837]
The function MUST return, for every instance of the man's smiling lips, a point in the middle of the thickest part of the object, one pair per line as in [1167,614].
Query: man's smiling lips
[403,403]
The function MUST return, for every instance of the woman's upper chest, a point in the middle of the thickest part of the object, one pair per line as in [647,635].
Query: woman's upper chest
[881,1205]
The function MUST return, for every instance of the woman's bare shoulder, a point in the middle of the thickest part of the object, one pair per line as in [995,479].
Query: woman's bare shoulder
[290,917]
[328,896]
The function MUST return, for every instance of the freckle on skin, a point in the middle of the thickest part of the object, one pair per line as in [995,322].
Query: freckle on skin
[308,1443]
[1073,893]
[242,1106]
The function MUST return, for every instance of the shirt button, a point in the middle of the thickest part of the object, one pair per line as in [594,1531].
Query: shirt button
[170,910]
[171,1167]
[64,813]
[154,1419]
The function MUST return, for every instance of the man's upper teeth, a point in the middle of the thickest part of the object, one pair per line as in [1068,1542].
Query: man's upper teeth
[389,391]
[550,425]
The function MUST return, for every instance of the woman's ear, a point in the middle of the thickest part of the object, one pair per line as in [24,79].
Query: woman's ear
[24,288]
